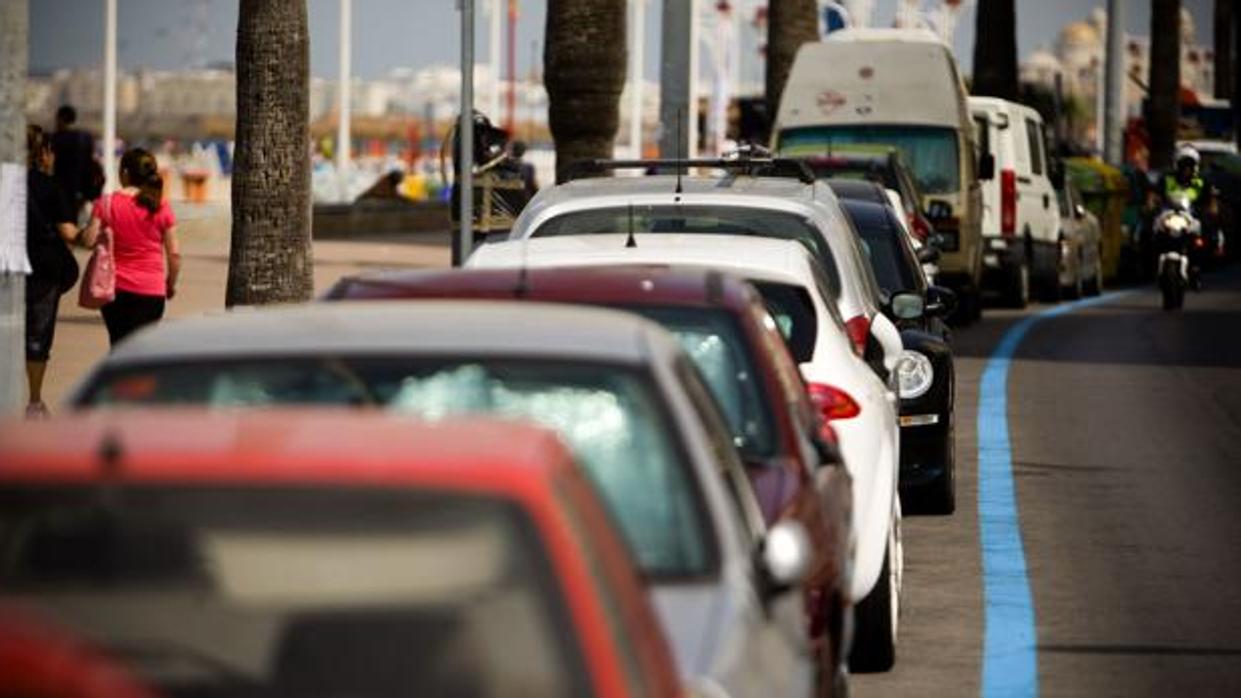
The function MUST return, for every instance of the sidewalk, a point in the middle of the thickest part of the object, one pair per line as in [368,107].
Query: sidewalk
[204,230]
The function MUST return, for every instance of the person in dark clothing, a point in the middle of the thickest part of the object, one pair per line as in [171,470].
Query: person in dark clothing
[76,169]
[50,226]
[528,176]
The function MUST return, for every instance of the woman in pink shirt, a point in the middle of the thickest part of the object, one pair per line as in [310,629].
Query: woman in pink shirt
[148,258]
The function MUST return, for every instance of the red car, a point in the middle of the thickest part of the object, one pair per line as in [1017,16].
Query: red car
[325,553]
[724,326]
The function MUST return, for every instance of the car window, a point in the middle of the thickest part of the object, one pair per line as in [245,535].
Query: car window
[930,151]
[611,417]
[883,249]
[1035,137]
[271,591]
[792,309]
[695,219]
[715,342]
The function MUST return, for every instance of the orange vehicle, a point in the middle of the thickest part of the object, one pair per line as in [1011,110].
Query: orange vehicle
[325,553]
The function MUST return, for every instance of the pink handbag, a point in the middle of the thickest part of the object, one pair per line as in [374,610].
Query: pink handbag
[98,286]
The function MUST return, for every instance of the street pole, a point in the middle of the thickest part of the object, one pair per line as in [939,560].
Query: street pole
[1113,107]
[465,135]
[495,18]
[637,64]
[109,93]
[345,107]
[510,101]
[13,263]
[675,79]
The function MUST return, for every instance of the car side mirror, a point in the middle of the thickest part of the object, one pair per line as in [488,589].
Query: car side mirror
[928,254]
[784,558]
[940,301]
[938,210]
[1079,211]
[986,167]
[907,306]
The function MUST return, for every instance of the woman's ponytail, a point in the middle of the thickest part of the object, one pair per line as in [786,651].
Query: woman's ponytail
[142,171]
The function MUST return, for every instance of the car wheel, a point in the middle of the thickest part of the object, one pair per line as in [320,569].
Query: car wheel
[876,619]
[1017,286]
[940,496]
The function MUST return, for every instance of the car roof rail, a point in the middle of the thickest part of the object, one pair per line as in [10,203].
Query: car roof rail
[749,166]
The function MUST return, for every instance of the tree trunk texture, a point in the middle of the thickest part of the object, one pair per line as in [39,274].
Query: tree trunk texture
[790,23]
[271,260]
[14,24]
[1223,49]
[1236,72]
[995,49]
[584,62]
[1165,81]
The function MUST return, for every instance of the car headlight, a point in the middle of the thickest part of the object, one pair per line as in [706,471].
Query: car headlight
[914,374]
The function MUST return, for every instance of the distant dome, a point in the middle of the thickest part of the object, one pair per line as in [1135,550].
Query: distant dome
[1079,34]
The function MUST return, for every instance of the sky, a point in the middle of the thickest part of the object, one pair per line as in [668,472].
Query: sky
[418,33]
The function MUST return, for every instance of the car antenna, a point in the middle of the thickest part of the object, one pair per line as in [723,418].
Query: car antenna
[680,146]
[630,241]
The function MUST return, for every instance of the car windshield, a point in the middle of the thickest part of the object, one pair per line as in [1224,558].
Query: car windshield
[930,151]
[258,591]
[793,311]
[706,220]
[883,249]
[713,339]
[610,416]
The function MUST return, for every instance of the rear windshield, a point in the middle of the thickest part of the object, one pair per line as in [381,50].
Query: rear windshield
[930,151]
[879,175]
[707,220]
[610,416]
[715,342]
[882,248]
[257,591]
[793,310]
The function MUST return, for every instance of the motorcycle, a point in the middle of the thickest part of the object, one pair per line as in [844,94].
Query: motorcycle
[1178,237]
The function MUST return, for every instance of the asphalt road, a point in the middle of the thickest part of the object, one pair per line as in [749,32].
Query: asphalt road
[1125,429]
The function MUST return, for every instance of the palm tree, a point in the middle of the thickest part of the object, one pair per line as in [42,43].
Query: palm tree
[1223,49]
[1165,81]
[270,260]
[790,23]
[584,72]
[995,49]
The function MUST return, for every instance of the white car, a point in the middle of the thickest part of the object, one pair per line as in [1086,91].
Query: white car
[787,208]
[1021,216]
[860,407]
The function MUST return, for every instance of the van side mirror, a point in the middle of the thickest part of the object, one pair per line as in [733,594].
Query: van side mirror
[986,167]
[1057,175]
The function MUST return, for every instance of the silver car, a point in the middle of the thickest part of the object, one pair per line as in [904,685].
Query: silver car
[774,207]
[618,388]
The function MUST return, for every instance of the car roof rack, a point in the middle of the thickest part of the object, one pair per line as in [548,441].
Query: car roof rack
[749,166]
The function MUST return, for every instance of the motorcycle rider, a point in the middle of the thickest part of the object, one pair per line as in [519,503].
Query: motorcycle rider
[1185,183]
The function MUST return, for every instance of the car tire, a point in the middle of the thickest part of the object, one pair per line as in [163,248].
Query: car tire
[875,621]
[1094,286]
[1017,286]
[939,497]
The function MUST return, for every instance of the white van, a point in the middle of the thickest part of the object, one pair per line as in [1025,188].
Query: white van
[1021,216]
[899,88]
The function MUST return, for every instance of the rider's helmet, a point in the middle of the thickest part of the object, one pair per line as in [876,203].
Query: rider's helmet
[1187,159]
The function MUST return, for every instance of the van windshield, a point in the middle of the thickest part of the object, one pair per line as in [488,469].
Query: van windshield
[930,151]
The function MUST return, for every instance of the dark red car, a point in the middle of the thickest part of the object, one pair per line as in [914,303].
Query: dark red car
[326,554]
[724,326]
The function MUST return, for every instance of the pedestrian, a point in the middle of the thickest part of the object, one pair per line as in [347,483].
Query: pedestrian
[145,249]
[50,227]
[77,171]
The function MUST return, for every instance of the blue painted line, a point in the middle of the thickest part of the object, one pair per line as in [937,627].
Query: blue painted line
[1010,641]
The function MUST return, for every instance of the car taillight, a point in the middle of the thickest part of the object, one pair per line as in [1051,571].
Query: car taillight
[832,403]
[919,228]
[1008,203]
[858,329]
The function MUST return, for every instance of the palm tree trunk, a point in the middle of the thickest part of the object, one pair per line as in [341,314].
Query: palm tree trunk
[1223,49]
[584,72]
[995,49]
[790,23]
[270,260]
[1165,81]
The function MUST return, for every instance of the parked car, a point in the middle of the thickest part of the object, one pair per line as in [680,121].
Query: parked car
[1021,217]
[885,166]
[618,388]
[721,322]
[926,375]
[736,203]
[899,88]
[928,254]
[1081,245]
[850,397]
[326,553]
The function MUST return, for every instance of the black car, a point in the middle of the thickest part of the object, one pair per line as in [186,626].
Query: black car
[926,373]
[884,167]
